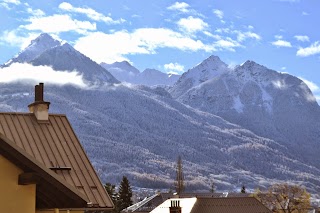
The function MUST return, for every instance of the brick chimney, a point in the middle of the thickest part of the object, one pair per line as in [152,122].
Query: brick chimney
[39,107]
[175,206]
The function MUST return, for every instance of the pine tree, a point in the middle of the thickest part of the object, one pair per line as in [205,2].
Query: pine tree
[243,189]
[179,183]
[212,187]
[125,194]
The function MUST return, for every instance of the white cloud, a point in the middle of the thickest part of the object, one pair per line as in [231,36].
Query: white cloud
[192,24]
[37,12]
[16,2]
[302,38]
[13,39]
[314,89]
[311,50]
[34,74]
[241,36]
[305,13]
[227,44]
[179,6]
[174,67]
[217,37]
[278,37]
[245,35]
[218,13]
[281,43]
[5,5]
[90,13]
[66,23]
[109,48]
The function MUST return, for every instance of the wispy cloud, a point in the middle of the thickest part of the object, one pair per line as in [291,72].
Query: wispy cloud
[312,86]
[33,74]
[35,12]
[12,38]
[241,36]
[281,43]
[311,50]
[302,38]
[305,13]
[227,44]
[90,13]
[140,41]
[191,24]
[218,13]
[171,67]
[16,2]
[179,6]
[315,89]
[6,3]
[49,24]
[245,35]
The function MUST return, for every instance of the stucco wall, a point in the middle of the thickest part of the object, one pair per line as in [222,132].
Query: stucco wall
[13,197]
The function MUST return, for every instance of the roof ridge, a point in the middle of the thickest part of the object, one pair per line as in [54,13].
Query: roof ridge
[29,113]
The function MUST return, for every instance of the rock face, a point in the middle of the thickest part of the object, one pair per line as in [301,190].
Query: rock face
[274,105]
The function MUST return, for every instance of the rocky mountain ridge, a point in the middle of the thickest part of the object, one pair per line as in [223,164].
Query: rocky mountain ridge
[249,125]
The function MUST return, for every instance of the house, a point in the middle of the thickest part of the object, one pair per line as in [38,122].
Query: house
[209,205]
[43,166]
[150,203]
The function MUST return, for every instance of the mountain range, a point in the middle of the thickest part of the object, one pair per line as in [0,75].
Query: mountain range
[244,126]
[125,72]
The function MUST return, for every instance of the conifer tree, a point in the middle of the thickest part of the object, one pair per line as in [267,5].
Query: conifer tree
[125,194]
[243,189]
[179,183]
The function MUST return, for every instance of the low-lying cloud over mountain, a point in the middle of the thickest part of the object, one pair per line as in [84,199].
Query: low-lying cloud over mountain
[26,73]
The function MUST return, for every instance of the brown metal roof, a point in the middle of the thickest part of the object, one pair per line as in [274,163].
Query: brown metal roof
[55,145]
[51,190]
[229,205]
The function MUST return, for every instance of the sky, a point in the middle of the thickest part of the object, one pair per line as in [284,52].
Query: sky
[174,36]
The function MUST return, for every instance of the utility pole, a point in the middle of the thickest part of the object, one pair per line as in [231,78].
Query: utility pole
[179,182]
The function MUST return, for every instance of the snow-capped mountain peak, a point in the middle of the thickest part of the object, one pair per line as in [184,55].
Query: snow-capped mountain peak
[65,57]
[37,46]
[45,39]
[210,68]
[213,61]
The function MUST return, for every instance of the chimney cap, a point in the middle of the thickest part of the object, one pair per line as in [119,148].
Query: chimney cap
[39,107]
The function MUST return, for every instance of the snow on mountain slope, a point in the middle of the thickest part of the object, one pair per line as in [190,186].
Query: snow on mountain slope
[139,132]
[271,104]
[210,68]
[36,48]
[65,57]
[125,72]
[152,77]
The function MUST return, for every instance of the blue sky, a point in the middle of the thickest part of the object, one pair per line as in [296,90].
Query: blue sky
[173,36]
